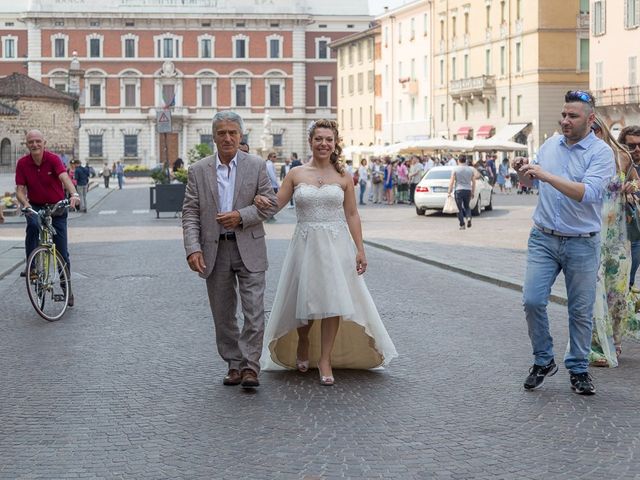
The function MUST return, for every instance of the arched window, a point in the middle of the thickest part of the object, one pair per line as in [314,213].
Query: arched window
[5,152]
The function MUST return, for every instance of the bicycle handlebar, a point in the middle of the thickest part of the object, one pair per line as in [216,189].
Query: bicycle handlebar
[48,210]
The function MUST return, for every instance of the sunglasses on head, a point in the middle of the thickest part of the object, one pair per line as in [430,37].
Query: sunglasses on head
[579,96]
[632,146]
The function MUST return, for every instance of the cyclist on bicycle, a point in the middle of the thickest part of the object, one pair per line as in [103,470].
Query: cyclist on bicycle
[41,179]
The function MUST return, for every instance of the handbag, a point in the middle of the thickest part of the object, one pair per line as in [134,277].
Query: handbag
[450,205]
[632,213]
[356,178]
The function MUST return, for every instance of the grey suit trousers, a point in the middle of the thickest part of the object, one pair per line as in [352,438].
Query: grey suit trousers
[240,349]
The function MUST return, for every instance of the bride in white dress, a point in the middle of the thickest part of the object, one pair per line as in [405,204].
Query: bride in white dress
[323,313]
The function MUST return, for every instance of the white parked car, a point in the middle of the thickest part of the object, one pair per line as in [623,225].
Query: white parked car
[431,192]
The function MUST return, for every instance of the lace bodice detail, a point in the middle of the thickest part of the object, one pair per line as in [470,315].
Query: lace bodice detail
[319,207]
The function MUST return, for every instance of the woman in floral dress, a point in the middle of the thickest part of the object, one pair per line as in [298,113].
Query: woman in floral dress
[613,309]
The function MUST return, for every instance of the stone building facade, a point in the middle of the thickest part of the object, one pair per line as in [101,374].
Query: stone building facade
[194,58]
[27,104]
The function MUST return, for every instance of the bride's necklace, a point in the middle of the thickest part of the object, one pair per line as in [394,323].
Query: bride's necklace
[320,180]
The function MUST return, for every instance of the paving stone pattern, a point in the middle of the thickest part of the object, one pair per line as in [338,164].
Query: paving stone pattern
[128,385]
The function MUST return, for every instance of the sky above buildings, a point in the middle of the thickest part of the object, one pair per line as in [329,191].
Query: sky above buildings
[376,7]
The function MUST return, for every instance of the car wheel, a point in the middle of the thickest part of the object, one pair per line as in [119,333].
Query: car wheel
[475,211]
[489,207]
[420,211]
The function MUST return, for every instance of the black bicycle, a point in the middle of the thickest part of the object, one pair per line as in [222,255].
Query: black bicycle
[48,282]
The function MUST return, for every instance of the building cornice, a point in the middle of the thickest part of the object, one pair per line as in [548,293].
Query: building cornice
[370,32]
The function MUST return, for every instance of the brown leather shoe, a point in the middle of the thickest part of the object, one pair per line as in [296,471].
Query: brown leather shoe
[232,377]
[249,378]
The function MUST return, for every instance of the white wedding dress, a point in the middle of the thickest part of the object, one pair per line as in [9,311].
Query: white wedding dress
[319,280]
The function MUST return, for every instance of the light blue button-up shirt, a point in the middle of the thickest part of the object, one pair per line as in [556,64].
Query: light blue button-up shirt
[590,161]
[226,178]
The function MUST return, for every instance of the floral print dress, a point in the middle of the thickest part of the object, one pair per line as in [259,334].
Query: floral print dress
[613,309]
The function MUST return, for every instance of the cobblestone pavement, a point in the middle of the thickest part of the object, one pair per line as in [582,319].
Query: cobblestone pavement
[128,384]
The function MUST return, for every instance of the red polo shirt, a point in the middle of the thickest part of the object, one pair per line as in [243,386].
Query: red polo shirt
[42,182]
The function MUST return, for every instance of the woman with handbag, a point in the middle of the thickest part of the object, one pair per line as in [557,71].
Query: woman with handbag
[613,309]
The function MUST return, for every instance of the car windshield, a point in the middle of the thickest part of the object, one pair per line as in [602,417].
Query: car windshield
[438,174]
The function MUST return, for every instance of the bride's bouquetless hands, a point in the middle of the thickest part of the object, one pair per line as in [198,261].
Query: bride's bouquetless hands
[361,263]
[261,202]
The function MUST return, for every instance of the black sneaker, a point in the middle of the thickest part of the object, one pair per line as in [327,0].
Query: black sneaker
[582,384]
[469,223]
[537,373]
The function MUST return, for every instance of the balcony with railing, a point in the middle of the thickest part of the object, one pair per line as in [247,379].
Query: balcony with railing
[618,96]
[468,89]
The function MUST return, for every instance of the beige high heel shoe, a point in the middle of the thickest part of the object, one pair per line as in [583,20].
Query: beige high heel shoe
[326,381]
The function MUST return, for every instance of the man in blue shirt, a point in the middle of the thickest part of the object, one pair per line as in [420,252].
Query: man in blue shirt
[81,174]
[572,170]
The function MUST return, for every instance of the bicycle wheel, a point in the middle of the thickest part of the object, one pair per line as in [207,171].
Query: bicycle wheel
[48,283]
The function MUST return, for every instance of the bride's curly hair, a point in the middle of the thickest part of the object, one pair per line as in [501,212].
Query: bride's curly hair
[335,155]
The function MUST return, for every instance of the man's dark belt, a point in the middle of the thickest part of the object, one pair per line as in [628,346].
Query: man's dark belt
[228,236]
[568,235]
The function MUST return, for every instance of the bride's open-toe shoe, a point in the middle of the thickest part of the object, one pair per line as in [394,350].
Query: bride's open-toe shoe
[302,365]
[326,381]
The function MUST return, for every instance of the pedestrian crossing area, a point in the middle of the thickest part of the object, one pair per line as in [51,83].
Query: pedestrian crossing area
[115,212]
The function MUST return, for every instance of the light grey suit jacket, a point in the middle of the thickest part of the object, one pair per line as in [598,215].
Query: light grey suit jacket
[200,230]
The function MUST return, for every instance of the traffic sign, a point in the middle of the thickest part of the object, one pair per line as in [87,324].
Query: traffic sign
[163,121]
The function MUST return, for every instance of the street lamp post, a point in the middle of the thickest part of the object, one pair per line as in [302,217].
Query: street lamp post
[75,75]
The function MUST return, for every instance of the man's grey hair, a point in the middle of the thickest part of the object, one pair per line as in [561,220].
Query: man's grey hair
[227,116]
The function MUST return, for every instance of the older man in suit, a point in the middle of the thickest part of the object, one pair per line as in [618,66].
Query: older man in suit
[224,242]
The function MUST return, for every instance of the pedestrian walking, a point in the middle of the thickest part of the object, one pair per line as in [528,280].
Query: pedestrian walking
[611,312]
[363,179]
[388,181]
[41,180]
[224,243]
[416,171]
[377,181]
[503,175]
[491,169]
[630,137]
[120,173]
[106,175]
[573,170]
[271,170]
[82,175]
[463,183]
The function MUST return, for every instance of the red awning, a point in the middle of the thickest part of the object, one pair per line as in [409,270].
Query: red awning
[484,131]
[464,132]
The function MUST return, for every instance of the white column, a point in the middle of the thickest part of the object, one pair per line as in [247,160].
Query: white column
[34,50]
[299,70]
[185,139]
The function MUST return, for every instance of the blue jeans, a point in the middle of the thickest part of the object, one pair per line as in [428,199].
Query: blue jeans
[363,189]
[120,180]
[635,261]
[579,259]
[463,197]
[60,238]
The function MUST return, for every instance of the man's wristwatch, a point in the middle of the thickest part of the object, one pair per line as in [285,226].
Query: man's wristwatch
[75,195]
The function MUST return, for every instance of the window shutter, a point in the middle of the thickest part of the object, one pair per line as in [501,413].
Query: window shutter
[627,22]
[604,17]
[636,20]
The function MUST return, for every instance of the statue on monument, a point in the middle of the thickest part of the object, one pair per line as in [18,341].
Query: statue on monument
[266,139]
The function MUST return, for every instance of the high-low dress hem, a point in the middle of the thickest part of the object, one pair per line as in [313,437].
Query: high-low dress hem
[318,281]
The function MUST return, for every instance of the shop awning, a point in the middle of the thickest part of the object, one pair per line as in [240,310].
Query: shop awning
[463,132]
[509,131]
[484,131]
